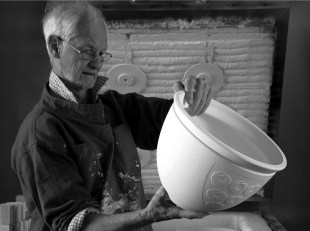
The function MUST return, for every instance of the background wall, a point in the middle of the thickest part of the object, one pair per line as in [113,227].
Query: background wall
[291,198]
[25,69]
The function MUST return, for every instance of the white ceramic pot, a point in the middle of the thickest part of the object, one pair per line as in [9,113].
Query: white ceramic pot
[216,160]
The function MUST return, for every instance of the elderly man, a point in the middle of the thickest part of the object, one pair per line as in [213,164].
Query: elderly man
[75,153]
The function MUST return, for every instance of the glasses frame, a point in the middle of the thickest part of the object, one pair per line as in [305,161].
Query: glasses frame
[103,58]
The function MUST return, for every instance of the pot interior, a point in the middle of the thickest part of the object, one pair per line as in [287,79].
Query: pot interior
[234,133]
[232,137]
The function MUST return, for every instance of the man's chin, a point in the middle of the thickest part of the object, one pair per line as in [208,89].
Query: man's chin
[90,80]
[89,84]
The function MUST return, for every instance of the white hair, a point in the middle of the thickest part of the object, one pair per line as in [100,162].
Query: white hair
[63,18]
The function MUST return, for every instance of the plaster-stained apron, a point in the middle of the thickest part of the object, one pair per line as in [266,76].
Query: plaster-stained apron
[123,190]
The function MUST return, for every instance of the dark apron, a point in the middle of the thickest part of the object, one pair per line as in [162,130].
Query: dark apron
[123,190]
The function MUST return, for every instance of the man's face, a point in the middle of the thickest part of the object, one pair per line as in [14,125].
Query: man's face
[79,72]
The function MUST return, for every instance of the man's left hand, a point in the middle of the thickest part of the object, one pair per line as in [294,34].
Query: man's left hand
[198,94]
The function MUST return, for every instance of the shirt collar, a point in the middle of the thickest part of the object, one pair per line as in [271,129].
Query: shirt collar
[60,90]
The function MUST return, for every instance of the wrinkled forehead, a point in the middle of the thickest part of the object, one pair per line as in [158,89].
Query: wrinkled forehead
[91,31]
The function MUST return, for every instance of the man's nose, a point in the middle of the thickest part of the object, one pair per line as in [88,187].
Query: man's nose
[96,63]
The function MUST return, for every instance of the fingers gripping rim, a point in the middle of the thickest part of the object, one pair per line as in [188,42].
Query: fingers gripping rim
[213,74]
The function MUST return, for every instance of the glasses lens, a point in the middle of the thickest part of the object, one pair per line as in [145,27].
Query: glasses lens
[89,55]
[105,57]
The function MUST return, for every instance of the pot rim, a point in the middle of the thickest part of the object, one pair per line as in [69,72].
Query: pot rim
[220,147]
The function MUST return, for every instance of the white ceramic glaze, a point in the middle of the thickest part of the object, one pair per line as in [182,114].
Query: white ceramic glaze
[214,161]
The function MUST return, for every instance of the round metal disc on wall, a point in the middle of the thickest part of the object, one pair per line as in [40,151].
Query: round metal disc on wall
[126,78]
[211,73]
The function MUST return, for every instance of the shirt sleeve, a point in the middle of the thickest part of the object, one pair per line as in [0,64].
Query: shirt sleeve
[144,115]
[77,221]
[50,180]
[147,118]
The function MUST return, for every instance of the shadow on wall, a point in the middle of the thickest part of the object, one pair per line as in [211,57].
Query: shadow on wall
[24,70]
[290,196]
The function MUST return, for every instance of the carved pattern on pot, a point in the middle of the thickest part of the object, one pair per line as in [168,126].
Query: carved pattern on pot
[216,195]
[220,179]
[251,190]
[213,206]
[238,187]
[233,200]
[224,190]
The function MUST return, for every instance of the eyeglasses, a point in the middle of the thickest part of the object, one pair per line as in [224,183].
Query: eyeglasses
[90,54]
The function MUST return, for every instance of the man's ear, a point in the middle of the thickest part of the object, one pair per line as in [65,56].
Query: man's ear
[53,45]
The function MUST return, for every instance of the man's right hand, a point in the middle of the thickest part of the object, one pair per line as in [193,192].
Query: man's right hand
[159,209]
